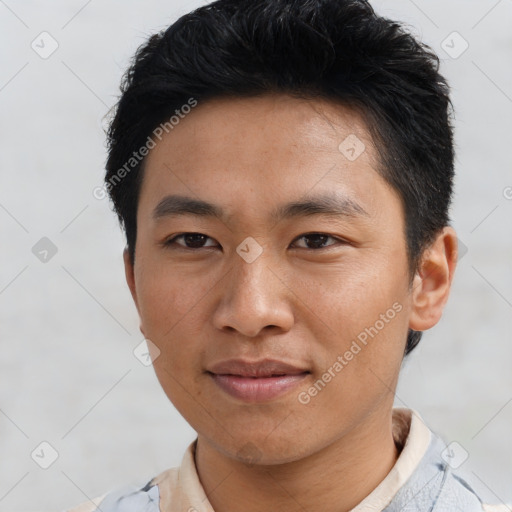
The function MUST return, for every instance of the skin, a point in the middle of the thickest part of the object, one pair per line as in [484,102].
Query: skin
[296,302]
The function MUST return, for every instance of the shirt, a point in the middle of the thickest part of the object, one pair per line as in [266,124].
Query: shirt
[420,480]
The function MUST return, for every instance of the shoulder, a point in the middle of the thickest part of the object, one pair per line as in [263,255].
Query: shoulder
[458,491]
[174,485]
[433,480]
[126,499]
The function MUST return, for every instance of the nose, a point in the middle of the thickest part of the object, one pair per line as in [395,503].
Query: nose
[254,298]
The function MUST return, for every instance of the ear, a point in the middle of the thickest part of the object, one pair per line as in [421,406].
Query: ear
[432,282]
[129,273]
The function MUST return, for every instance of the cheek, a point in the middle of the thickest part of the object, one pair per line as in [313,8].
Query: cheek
[353,292]
[173,316]
[358,312]
[360,361]
[166,296]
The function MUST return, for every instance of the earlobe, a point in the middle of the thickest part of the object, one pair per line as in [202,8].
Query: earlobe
[432,282]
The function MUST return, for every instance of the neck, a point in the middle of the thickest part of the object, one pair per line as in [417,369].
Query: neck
[334,479]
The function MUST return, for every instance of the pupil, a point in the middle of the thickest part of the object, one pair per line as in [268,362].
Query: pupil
[318,240]
[194,240]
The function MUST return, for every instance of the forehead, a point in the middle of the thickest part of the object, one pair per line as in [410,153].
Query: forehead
[271,123]
[253,151]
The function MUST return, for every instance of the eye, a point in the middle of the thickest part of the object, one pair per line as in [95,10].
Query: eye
[193,241]
[317,240]
[189,241]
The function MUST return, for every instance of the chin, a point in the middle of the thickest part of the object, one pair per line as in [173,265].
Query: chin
[259,449]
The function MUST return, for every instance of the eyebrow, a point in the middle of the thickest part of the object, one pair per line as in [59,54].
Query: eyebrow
[327,204]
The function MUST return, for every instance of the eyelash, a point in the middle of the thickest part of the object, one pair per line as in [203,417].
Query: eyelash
[172,241]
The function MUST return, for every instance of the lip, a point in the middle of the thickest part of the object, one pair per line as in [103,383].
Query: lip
[256,381]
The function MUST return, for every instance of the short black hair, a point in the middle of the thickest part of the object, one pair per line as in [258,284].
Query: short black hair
[339,50]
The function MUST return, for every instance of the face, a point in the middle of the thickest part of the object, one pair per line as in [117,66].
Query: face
[279,310]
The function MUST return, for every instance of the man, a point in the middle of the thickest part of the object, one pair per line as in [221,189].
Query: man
[283,172]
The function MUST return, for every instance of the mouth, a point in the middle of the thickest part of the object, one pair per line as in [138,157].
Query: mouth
[256,381]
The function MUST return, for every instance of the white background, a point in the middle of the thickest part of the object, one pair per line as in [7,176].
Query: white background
[68,326]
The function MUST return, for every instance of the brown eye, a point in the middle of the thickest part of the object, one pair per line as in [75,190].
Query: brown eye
[190,241]
[317,240]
